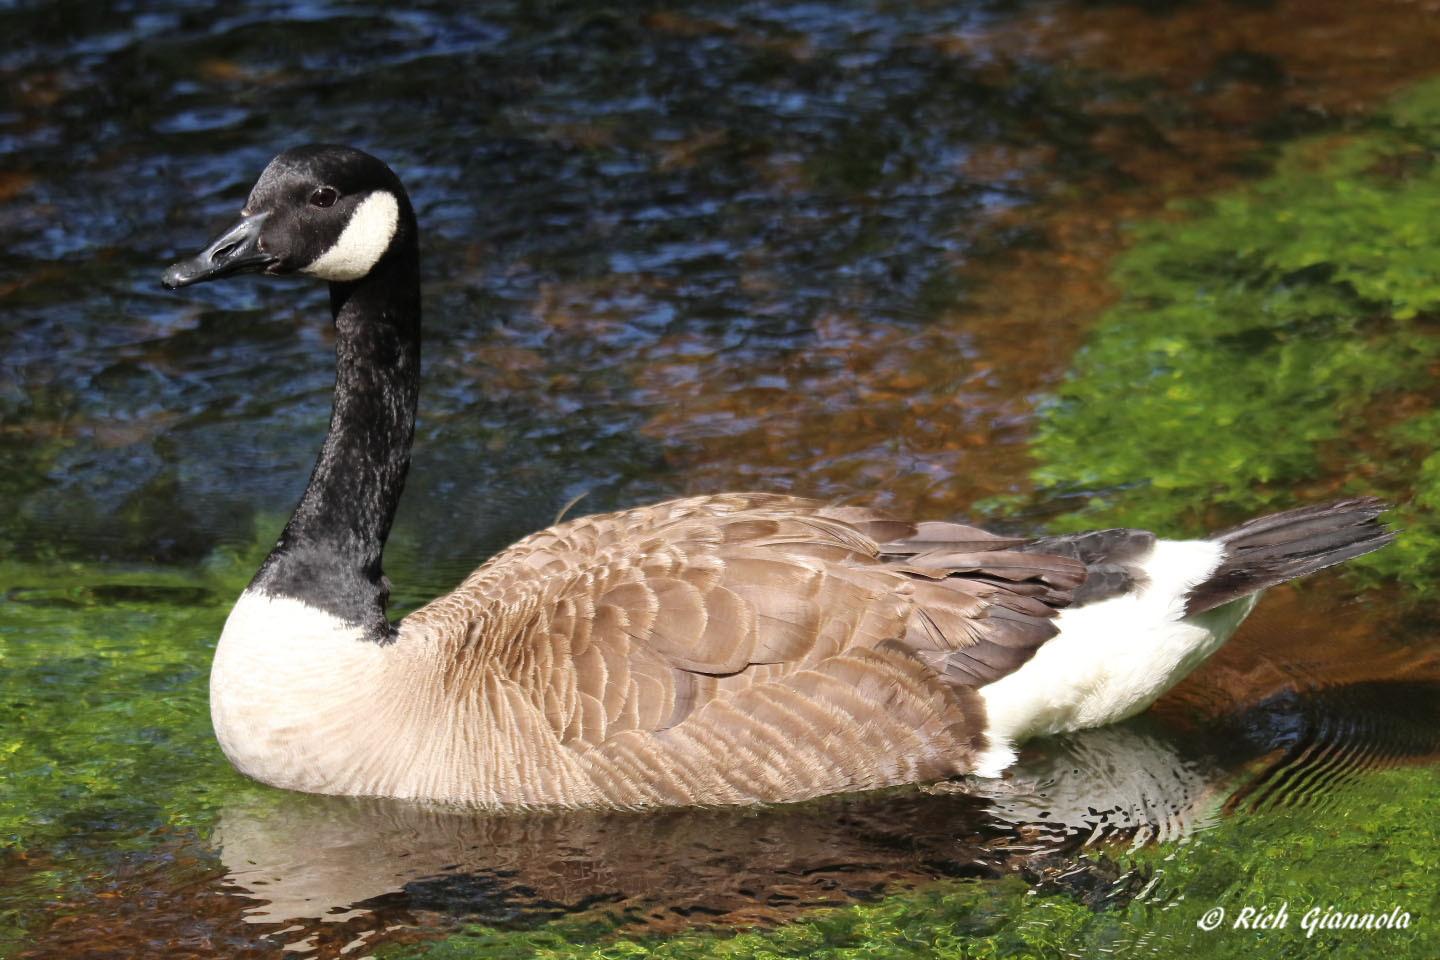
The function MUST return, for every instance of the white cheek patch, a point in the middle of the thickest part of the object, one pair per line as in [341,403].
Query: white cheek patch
[363,242]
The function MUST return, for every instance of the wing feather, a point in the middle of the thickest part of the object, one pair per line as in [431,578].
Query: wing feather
[760,647]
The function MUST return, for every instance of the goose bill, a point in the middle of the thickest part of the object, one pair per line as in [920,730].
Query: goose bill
[237,250]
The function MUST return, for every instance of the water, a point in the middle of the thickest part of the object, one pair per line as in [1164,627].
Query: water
[843,249]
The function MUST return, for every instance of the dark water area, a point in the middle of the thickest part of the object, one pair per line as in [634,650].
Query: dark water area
[587,196]
[837,249]
[626,213]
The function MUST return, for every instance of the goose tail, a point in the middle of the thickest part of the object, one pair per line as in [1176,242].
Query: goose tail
[1171,605]
[1282,546]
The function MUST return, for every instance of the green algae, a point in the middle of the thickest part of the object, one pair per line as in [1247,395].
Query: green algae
[1279,339]
[105,740]
[100,693]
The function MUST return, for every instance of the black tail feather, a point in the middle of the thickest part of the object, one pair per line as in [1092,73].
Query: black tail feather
[1282,546]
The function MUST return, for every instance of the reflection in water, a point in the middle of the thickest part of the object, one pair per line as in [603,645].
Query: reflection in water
[310,858]
[320,858]
[1317,745]
[1111,784]
[324,860]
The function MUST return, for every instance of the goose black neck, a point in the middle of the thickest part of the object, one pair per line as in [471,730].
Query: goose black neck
[328,555]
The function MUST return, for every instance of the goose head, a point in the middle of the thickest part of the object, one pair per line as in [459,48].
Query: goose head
[339,214]
[325,210]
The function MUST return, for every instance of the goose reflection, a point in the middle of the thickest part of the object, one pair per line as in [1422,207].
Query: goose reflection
[309,857]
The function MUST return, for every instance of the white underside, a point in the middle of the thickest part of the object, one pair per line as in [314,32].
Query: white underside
[1114,658]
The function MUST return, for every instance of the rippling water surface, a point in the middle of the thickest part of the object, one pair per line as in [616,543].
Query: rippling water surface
[841,249]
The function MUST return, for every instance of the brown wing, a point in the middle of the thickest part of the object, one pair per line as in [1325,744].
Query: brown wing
[732,648]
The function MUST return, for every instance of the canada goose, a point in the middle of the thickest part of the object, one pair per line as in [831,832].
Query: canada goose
[717,649]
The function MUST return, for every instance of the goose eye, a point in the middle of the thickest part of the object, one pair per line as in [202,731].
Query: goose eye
[324,197]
